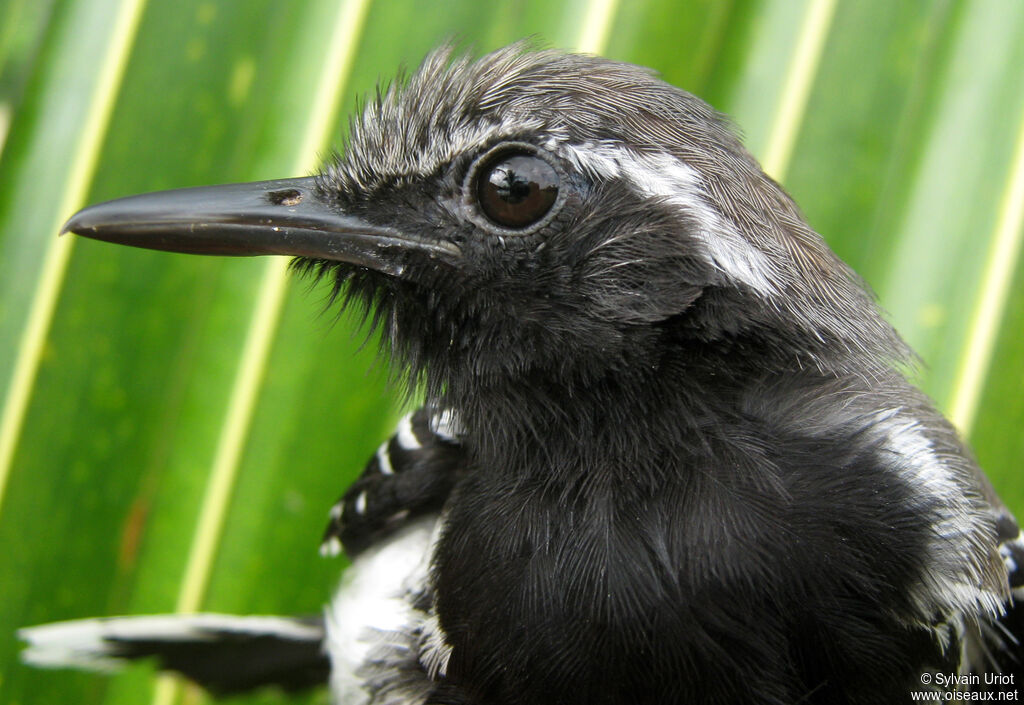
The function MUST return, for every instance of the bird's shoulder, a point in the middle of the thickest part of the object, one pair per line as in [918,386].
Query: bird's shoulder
[411,474]
[880,461]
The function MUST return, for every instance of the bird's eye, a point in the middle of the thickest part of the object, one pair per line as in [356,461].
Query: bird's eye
[515,190]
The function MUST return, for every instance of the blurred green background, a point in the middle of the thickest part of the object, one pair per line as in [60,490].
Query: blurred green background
[174,428]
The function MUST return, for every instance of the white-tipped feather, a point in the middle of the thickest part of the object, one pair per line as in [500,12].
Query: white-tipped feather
[446,426]
[384,460]
[93,643]
[406,435]
[331,547]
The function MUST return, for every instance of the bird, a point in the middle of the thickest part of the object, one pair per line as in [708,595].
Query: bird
[668,451]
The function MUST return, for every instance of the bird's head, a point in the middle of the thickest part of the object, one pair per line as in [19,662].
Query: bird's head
[541,215]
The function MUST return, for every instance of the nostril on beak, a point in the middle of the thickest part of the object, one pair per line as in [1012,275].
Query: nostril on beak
[285,197]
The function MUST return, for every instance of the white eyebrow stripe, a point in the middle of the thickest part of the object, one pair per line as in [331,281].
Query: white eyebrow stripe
[666,177]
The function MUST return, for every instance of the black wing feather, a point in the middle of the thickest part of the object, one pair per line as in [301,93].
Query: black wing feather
[411,474]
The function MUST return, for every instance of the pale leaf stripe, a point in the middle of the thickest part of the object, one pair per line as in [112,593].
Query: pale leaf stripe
[265,317]
[597,23]
[797,88]
[5,125]
[323,112]
[58,251]
[1003,258]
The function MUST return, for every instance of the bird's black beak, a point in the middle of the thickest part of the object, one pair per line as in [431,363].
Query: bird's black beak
[279,217]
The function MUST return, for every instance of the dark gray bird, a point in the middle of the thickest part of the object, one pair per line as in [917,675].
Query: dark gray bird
[667,453]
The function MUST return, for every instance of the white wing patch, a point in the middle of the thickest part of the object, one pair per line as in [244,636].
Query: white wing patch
[952,581]
[373,609]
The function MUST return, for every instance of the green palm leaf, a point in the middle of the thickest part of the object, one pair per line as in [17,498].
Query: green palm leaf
[173,429]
